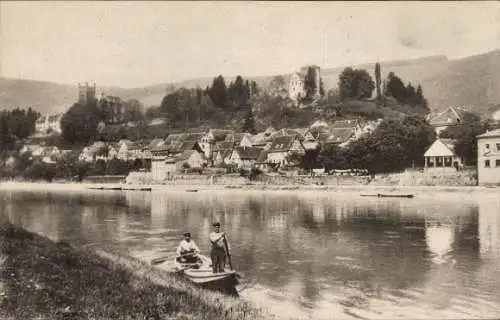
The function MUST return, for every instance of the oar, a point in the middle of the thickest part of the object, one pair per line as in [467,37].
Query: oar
[228,254]
[159,260]
[163,259]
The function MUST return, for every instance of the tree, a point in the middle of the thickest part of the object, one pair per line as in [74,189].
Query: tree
[395,87]
[249,123]
[310,85]
[465,136]
[134,110]
[79,123]
[404,94]
[355,84]
[420,97]
[377,83]
[218,92]
[170,106]
[254,88]
[393,146]
[117,167]
[237,93]
[277,86]
[321,88]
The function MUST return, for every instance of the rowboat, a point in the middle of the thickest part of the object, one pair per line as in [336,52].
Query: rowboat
[207,276]
[202,263]
[380,195]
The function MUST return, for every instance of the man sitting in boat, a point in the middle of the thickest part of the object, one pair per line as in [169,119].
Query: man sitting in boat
[188,250]
[219,246]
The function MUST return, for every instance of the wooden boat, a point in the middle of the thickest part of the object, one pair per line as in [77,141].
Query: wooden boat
[192,190]
[206,276]
[380,195]
[201,272]
[202,263]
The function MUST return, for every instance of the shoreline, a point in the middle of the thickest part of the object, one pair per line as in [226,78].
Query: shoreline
[54,280]
[369,189]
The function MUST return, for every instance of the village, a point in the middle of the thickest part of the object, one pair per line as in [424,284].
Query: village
[213,152]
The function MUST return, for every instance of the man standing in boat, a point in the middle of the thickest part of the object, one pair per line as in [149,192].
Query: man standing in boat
[220,247]
[188,250]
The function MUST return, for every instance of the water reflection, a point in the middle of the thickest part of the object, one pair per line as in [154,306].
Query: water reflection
[367,257]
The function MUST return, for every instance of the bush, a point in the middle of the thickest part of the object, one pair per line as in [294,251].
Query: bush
[254,173]
[243,172]
[194,170]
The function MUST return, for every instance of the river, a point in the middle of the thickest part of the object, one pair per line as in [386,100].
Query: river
[307,256]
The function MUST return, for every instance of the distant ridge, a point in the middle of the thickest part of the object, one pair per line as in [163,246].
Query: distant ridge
[470,82]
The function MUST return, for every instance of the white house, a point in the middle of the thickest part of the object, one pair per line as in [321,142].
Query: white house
[193,158]
[221,152]
[49,123]
[441,156]
[244,157]
[488,157]
[163,168]
[282,147]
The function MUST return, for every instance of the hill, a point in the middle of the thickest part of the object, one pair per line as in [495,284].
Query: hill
[467,82]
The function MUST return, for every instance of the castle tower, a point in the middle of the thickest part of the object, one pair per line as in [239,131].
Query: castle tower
[86,92]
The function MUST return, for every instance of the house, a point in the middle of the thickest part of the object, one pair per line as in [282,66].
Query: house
[261,162]
[47,154]
[488,157]
[174,139]
[221,152]
[338,136]
[289,132]
[245,141]
[49,123]
[163,169]
[190,158]
[213,136]
[88,154]
[315,137]
[102,153]
[184,146]
[263,139]
[222,157]
[282,147]
[244,157]
[124,146]
[240,139]
[449,117]
[157,122]
[155,143]
[441,156]
[296,88]
[29,148]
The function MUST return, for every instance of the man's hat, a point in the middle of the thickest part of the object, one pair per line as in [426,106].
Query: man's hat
[187,234]
[216,224]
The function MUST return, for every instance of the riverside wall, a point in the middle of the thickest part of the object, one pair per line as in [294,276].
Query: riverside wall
[419,177]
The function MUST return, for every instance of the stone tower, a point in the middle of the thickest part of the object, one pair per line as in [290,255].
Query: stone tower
[86,92]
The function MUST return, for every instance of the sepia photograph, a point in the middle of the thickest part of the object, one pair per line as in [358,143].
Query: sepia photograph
[241,160]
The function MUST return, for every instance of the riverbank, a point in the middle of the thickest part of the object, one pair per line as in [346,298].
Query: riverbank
[364,189]
[41,279]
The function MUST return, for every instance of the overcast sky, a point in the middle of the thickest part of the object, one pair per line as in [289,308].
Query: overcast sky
[132,44]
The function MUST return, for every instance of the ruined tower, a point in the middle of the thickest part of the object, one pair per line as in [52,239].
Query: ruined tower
[86,92]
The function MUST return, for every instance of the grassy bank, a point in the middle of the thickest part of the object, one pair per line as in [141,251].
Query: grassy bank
[41,279]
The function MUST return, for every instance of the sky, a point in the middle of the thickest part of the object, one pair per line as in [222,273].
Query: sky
[133,44]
